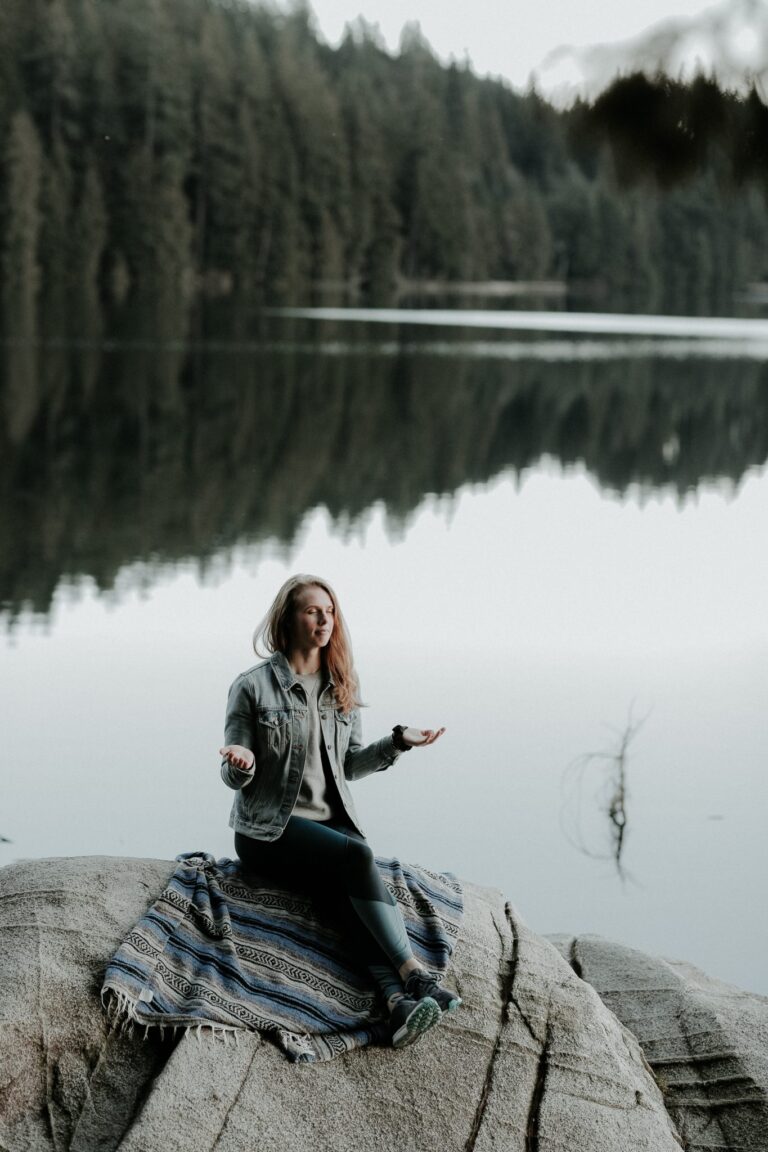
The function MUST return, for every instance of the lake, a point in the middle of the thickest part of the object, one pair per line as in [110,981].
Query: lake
[547,535]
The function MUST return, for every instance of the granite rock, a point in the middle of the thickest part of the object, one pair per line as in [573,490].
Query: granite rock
[706,1041]
[536,1060]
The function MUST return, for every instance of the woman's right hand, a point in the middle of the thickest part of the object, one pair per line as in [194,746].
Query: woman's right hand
[238,756]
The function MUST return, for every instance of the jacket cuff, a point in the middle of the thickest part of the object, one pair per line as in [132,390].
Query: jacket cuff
[236,777]
[390,750]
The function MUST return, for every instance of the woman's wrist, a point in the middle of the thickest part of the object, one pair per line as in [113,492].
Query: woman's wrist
[399,740]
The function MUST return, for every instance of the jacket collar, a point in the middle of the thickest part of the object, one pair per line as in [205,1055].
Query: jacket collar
[286,675]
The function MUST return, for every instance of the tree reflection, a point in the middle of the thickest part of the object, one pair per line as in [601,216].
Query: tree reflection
[182,435]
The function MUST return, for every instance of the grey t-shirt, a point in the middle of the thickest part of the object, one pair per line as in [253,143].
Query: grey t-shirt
[318,797]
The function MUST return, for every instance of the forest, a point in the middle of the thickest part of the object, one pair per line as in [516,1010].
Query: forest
[221,147]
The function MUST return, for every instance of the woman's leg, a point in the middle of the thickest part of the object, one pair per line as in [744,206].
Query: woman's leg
[366,948]
[417,982]
[340,866]
[314,863]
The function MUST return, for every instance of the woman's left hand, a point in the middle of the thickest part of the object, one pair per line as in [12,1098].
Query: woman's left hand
[417,737]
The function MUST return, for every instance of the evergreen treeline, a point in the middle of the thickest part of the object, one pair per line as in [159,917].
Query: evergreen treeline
[168,143]
[155,453]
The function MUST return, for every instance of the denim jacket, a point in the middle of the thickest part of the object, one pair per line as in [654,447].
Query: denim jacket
[267,712]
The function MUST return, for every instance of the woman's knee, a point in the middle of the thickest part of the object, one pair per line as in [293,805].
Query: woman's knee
[359,858]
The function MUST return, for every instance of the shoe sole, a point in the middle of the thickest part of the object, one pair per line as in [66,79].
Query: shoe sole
[423,1017]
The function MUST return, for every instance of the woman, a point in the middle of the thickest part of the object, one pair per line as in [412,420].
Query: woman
[292,741]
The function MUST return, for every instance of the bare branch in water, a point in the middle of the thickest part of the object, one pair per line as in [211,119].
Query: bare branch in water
[612,797]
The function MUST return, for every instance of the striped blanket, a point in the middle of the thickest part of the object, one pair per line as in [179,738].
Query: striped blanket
[220,951]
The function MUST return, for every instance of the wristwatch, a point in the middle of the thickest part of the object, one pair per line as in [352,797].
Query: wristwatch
[398,740]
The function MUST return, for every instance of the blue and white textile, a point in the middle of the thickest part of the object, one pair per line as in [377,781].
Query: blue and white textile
[220,950]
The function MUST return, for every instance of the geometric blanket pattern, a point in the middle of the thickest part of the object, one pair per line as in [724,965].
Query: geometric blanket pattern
[221,951]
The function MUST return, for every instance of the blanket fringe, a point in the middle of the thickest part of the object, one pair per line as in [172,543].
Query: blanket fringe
[122,1018]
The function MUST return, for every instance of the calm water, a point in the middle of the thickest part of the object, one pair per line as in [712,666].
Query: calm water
[539,538]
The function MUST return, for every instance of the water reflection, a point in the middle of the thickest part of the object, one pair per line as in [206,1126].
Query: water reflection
[174,438]
[605,323]
[610,766]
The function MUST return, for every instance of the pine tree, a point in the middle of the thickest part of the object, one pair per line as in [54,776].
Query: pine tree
[23,166]
[90,231]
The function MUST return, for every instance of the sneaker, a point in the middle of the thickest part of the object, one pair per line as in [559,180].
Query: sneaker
[421,983]
[410,1019]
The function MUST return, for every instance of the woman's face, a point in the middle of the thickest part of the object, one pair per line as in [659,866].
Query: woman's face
[313,618]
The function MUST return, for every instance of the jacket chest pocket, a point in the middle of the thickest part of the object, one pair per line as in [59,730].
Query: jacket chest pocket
[273,730]
[343,727]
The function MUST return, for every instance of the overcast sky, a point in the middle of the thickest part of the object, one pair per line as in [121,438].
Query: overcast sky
[510,38]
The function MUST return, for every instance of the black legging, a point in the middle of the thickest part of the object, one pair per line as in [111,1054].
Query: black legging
[334,861]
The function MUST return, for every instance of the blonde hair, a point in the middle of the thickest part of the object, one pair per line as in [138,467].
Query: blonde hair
[273,634]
